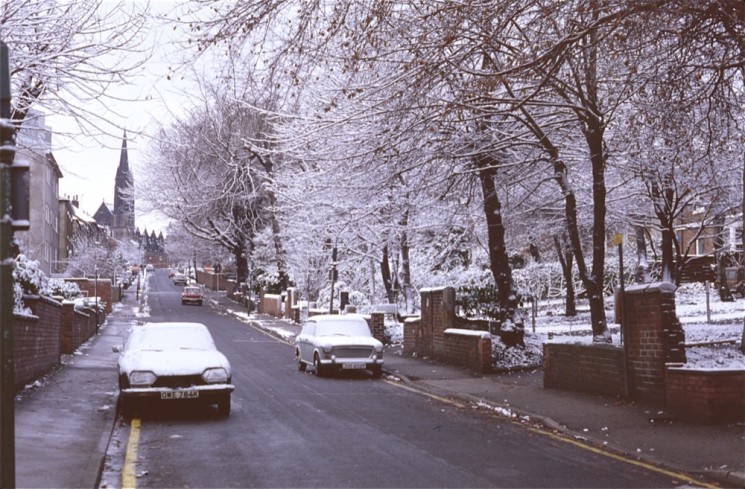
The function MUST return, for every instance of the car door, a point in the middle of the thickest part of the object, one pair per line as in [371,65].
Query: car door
[305,343]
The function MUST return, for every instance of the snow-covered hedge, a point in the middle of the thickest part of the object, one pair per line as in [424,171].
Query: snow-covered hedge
[29,279]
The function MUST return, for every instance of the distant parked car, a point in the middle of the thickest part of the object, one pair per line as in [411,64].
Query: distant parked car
[149,267]
[172,361]
[192,295]
[338,342]
[180,279]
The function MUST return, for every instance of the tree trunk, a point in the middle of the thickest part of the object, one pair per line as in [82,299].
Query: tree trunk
[385,273]
[566,260]
[642,264]
[662,199]
[406,286]
[512,327]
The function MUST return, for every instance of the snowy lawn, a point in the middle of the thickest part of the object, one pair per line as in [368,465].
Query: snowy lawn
[723,322]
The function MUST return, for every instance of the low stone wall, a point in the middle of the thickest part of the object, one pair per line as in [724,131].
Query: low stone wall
[706,395]
[594,368]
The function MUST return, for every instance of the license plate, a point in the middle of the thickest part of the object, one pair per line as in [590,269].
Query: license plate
[353,366]
[179,395]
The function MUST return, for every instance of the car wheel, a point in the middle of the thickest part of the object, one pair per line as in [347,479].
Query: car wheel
[377,372]
[300,364]
[200,303]
[320,371]
[223,405]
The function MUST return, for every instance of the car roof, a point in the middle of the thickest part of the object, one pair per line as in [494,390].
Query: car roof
[170,336]
[332,318]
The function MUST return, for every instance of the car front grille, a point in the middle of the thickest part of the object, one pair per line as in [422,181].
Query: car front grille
[179,381]
[353,352]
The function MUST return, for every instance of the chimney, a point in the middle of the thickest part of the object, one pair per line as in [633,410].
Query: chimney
[75,202]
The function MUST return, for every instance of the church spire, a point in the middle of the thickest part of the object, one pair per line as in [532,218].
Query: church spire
[123,183]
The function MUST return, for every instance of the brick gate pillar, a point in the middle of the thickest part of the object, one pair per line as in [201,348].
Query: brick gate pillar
[654,337]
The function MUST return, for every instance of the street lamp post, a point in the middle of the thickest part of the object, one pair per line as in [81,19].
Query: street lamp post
[95,292]
[334,275]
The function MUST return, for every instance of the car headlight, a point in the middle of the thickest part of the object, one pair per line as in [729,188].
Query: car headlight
[215,375]
[142,378]
[327,348]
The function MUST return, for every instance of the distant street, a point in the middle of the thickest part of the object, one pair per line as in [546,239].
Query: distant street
[292,429]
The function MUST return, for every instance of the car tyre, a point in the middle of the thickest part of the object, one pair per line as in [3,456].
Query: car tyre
[300,364]
[320,370]
[223,406]
[377,372]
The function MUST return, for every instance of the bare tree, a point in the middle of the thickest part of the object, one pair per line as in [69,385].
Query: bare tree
[66,54]
[202,175]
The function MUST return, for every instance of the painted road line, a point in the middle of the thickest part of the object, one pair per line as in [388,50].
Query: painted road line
[129,474]
[566,439]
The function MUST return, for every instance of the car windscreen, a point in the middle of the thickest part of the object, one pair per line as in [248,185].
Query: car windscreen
[170,339]
[342,328]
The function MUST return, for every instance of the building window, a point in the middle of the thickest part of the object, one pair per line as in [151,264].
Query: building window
[701,246]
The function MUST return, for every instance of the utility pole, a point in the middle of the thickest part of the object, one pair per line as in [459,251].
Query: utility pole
[7,374]
[14,216]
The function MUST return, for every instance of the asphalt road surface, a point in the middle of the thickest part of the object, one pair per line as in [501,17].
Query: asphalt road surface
[293,429]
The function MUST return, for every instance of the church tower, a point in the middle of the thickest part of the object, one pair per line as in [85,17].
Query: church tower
[123,214]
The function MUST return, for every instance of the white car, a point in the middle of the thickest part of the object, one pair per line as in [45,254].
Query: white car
[338,342]
[173,361]
[180,279]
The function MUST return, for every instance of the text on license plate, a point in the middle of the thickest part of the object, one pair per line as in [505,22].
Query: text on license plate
[353,365]
[179,395]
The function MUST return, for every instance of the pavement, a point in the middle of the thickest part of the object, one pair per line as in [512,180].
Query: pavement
[65,421]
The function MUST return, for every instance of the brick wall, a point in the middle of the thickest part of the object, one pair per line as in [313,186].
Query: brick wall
[291,299]
[271,304]
[471,349]
[75,327]
[90,289]
[654,337]
[376,322]
[595,368]
[434,333]
[709,396]
[214,281]
[36,340]
[413,337]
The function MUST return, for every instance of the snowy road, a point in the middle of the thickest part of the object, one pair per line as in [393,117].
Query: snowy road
[292,429]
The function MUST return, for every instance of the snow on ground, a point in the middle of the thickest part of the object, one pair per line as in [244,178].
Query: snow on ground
[703,325]
[718,322]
